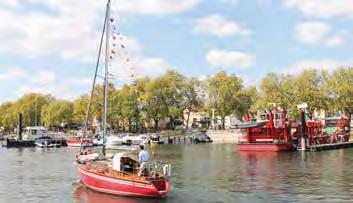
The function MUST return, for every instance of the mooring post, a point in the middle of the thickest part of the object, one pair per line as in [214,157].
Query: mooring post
[19,127]
[303,137]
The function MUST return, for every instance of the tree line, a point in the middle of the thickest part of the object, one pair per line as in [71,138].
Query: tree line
[174,96]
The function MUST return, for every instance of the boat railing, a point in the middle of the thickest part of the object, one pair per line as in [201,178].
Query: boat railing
[159,170]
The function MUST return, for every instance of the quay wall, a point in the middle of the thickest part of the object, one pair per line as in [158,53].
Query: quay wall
[226,136]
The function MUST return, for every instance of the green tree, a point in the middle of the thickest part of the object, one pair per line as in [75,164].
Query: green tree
[96,110]
[80,108]
[130,106]
[30,105]
[154,101]
[116,116]
[339,87]
[275,90]
[191,101]
[247,97]
[171,83]
[8,116]
[308,88]
[223,92]
[57,113]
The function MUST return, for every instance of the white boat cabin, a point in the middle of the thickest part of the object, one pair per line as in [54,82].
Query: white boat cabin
[125,161]
[31,133]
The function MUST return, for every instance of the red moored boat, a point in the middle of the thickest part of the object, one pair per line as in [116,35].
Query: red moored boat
[275,133]
[330,130]
[78,143]
[267,135]
[119,176]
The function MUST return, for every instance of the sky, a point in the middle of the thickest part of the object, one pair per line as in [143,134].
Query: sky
[51,46]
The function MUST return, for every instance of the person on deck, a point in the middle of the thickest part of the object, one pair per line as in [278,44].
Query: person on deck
[144,157]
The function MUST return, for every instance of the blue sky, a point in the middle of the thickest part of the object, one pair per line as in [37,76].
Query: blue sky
[50,46]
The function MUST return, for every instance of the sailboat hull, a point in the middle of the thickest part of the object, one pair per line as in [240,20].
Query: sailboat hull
[123,187]
[78,143]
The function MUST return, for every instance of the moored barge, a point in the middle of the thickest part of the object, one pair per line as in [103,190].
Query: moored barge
[276,133]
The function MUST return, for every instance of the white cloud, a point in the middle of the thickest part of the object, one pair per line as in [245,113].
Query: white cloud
[11,74]
[43,81]
[69,29]
[202,77]
[79,81]
[155,7]
[140,67]
[65,32]
[335,41]
[59,91]
[42,77]
[324,64]
[316,32]
[230,59]
[10,4]
[152,66]
[322,8]
[219,26]
[312,32]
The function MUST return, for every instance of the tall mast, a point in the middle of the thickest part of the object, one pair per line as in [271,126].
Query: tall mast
[94,82]
[106,84]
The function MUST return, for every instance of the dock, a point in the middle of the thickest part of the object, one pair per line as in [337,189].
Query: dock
[11,143]
[322,147]
[17,143]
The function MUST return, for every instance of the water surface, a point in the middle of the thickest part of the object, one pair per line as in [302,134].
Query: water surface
[201,173]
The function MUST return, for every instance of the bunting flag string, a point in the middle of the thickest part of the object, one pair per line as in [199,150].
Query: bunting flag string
[118,44]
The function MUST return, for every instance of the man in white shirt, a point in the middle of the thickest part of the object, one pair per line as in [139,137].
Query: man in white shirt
[144,157]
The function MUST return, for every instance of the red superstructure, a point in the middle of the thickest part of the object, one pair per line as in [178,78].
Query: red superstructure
[272,134]
[328,131]
[275,133]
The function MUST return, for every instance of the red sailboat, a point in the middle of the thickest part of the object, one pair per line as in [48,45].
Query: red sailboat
[119,174]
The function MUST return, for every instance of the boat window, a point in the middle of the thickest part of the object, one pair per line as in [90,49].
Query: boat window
[263,117]
[127,164]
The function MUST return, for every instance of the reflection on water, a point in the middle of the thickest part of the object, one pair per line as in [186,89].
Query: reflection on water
[201,173]
[84,195]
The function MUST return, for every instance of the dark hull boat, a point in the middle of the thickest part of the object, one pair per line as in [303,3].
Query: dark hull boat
[46,142]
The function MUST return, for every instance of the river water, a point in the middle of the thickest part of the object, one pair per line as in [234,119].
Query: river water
[201,173]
